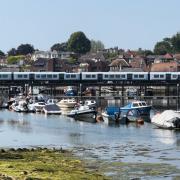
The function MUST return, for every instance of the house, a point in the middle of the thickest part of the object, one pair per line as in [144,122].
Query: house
[118,64]
[165,67]
[44,55]
[96,62]
[138,62]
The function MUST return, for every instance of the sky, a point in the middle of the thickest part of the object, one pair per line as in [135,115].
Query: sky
[128,24]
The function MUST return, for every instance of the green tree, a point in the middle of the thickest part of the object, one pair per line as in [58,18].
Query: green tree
[14,59]
[162,48]
[96,46]
[79,43]
[175,40]
[25,49]
[12,52]
[60,47]
[2,53]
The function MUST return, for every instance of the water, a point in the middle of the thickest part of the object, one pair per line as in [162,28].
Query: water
[127,143]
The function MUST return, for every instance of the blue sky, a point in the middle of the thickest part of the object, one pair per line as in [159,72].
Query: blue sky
[128,24]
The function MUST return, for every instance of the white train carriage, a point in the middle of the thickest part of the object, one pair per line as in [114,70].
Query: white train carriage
[140,76]
[117,76]
[175,75]
[5,76]
[90,76]
[72,76]
[45,76]
[158,76]
[18,76]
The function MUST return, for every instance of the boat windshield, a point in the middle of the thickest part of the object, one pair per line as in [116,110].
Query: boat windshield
[144,104]
[135,105]
[140,104]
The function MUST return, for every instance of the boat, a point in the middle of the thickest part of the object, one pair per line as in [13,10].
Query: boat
[51,101]
[70,91]
[140,106]
[83,113]
[67,103]
[90,103]
[51,109]
[38,106]
[168,119]
[129,113]
[20,106]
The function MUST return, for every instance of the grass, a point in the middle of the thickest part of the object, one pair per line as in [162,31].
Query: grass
[46,164]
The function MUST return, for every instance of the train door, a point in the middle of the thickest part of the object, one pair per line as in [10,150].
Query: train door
[129,76]
[168,76]
[100,77]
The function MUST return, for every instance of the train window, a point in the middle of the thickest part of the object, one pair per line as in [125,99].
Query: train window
[161,76]
[5,76]
[54,75]
[105,76]
[123,76]
[0,75]
[67,75]
[135,76]
[73,76]
[156,76]
[25,76]
[43,76]
[111,76]
[141,76]
[93,76]
[88,76]
[19,76]
[117,76]
[37,76]
[174,76]
[49,76]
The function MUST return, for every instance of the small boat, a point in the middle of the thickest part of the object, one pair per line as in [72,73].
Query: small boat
[20,106]
[51,101]
[51,109]
[38,106]
[168,119]
[83,113]
[128,113]
[70,91]
[90,103]
[140,106]
[67,103]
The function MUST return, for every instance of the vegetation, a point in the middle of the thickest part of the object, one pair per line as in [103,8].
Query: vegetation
[25,49]
[24,164]
[168,45]
[79,43]
[2,53]
[59,47]
[96,46]
[14,59]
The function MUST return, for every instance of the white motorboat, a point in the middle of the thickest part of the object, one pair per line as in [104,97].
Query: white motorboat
[90,103]
[38,106]
[20,106]
[67,103]
[51,101]
[51,109]
[84,113]
[168,119]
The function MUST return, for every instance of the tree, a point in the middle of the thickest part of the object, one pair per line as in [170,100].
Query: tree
[96,46]
[2,53]
[162,48]
[12,52]
[25,49]
[14,59]
[60,47]
[175,40]
[79,43]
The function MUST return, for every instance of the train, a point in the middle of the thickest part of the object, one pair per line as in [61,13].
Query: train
[90,76]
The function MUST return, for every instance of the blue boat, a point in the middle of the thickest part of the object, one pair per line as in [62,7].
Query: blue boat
[130,112]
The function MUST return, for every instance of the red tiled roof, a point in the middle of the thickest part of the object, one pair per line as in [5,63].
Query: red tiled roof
[164,67]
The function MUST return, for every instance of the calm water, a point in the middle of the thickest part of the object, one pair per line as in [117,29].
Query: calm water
[127,143]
